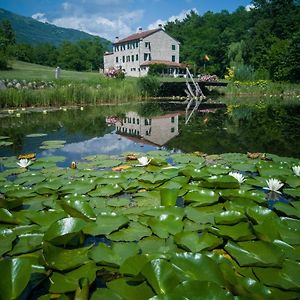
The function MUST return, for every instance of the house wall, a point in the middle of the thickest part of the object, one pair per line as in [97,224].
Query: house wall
[130,55]
[108,61]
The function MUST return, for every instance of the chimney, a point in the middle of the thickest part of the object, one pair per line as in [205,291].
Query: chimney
[140,29]
[116,39]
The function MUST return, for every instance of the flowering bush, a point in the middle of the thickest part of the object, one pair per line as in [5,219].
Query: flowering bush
[208,77]
[115,73]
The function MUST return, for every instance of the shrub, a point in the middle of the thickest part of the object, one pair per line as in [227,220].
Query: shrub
[148,86]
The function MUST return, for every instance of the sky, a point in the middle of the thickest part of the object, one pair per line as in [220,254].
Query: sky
[111,18]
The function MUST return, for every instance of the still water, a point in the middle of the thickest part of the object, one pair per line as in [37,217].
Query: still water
[151,126]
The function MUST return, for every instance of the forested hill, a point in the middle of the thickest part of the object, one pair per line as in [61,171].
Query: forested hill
[30,31]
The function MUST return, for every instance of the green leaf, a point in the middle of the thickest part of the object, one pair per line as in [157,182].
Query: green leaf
[64,230]
[202,197]
[155,245]
[165,224]
[229,217]
[168,196]
[78,187]
[134,232]
[238,232]
[106,294]
[255,253]
[134,264]
[198,266]
[287,209]
[203,215]
[27,242]
[68,282]
[130,292]
[106,190]
[195,243]
[233,195]
[161,276]
[16,274]
[114,255]
[7,217]
[220,182]
[64,259]
[79,209]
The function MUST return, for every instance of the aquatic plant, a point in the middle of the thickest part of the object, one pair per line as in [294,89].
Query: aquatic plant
[274,185]
[24,163]
[238,176]
[143,161]
[296,170]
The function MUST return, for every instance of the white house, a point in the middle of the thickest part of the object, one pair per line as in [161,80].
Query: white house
[155,130]
[137,52]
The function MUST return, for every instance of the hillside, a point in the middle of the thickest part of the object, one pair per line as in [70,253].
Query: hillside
[33,32]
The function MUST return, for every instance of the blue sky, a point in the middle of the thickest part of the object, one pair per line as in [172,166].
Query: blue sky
[110,18]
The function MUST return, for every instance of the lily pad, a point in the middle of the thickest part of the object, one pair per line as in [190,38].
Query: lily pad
[64,230]
[32,135]
[79,209]
[16,274]
[256,253]
[203,197]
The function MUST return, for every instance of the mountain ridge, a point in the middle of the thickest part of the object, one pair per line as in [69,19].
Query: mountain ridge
[33,32]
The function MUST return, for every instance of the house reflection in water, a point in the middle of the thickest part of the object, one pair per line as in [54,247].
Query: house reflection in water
[156,130]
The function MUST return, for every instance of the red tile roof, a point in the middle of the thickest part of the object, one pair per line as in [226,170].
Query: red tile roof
[137,36]
[163,62]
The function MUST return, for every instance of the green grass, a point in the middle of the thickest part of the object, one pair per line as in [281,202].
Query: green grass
[22,70]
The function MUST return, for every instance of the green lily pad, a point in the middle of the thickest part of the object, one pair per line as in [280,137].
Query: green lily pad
[195,243]
[106,224]
[5,143]
[134,232]
[255,253]
[64,259]
[79,209]
[229,217]
[64,230]
[220,181]
[204,215]
[133,265]
[202,197]
[166,224]
[106,190]
[233,195]
[114,255]
[127,291]
[26,243]
[197,266]
[287,209]
[155,245]
[104,293]
[82,186]
[161,276]
[238,232]
[32,135]
[16,274]
[68,282]
[7,217]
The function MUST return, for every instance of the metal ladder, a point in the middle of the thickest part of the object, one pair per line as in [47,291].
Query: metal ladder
[192,95]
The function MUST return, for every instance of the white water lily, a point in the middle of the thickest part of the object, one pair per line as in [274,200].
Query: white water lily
[143,161]
[24,163]
[238,176]
[296,170]
[274,185]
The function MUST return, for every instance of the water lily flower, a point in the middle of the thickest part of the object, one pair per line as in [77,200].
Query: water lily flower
[238,176]
[274,185]
[24,163]
[296,170]
[143,161]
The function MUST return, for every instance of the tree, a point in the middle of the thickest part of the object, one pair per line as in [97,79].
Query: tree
[7,39]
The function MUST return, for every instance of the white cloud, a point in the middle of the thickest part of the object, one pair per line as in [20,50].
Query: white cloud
[182,15]
[40,17]
[105,18]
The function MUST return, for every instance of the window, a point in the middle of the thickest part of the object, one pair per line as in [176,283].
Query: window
[173,58]
[133,120]
[172,120]
[117,59]
[172,129]
[173,47]
[132,57]
[138,121]
[127,58]
[123,58]
[137,44]
[136,57]
[147,45]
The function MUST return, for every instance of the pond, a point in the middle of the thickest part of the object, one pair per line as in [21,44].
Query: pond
[158,223]
[150,126]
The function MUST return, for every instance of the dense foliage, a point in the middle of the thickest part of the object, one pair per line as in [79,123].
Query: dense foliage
[258,43]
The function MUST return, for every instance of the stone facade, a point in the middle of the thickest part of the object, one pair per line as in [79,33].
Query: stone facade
[135,53]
